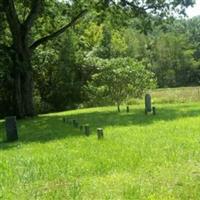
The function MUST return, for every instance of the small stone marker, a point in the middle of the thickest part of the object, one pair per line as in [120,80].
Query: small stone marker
[11,129]
[99,133]
[147,103]
[127,109]
[87,129]
[154,110]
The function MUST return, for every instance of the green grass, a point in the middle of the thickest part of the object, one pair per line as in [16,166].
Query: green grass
[141,157]
[172,95]
[176,95]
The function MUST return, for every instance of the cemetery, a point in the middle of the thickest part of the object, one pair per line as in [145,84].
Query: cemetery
[100,152]
[99,100]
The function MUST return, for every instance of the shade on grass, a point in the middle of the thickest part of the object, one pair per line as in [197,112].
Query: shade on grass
[140,157]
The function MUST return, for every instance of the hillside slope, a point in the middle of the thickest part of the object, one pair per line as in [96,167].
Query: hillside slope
[140,157]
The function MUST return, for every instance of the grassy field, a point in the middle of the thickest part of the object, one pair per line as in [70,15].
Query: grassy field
[176,95]
[141,157]
[172,95]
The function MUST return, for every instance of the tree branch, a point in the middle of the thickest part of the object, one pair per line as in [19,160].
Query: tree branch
[35,9]
[12,18]
[139,10]
[58,32]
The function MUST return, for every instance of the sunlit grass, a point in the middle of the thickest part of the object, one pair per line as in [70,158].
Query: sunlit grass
[141,157]
[176,95]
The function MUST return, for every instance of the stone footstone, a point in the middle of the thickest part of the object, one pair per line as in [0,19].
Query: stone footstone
[99,133]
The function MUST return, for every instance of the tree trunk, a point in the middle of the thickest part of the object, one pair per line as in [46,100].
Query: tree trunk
[118,107]
[23,85]
[18,108]
[27,93]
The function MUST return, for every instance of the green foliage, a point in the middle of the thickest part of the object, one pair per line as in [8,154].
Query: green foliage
[92,36]
[173,60]
[104,49]
[118,79]
[118,44]
[59,80]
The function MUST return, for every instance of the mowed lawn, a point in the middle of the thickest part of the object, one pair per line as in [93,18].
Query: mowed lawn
[141,157]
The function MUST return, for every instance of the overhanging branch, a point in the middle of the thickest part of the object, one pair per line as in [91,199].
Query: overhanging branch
[12,18]
[9,8]
[35,9]
[58,32]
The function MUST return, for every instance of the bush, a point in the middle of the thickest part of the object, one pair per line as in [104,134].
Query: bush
[117,80]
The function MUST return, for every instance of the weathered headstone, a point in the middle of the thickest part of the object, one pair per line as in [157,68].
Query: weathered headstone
[99,133]
[11,129]
[147,103]
[87,129]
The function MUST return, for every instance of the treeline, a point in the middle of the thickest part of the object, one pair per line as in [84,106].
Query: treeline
[64,73]
[171,51]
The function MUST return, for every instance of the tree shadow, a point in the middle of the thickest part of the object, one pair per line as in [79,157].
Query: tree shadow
[46,128]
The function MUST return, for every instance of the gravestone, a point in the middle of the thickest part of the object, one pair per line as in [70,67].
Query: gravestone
[11,129]
[99,133]
[87,129]
[147,103]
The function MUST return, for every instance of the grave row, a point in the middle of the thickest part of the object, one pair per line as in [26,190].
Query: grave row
[11,133]
[85,128]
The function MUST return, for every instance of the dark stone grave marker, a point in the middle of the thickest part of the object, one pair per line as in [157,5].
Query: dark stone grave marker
[87,129]
[147,103]
[11,129]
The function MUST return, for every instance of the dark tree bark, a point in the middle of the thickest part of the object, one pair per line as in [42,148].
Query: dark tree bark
[23,83]
[21,62]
